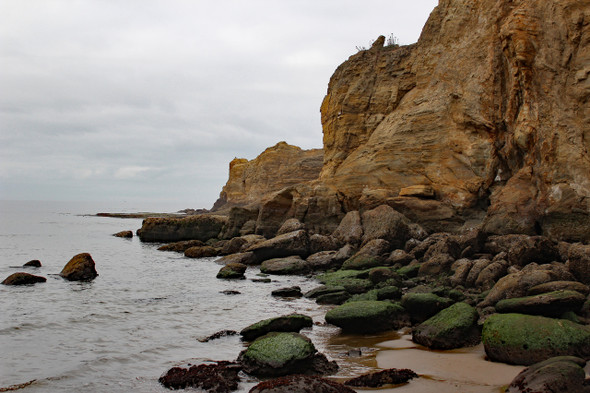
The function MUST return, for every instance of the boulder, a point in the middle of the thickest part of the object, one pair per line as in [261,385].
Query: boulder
[291,225]
[385,223]
[490,274]
[399,256]
[388,293]
[371,255]
[318,243]
[286,323]
[282,266]
[557,374]
[367,316]
[181,246]
[350,230]
[529,249]
[198,227]
[382,274]
[287,292]
[550,304]
[246,258]
[124,234]
[323,260]
[333,297]
[422,306]
[23,279]
[453,327]
[579,262]
[217,377]
[559,285]
[232,270]
[288,244]
[528,339]
[33,263]
[238,217]
[300,384]
[392,376]
[80,268]
[350,280]
[202,252]
[278,354]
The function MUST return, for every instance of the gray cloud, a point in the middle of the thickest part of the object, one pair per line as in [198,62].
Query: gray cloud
[151,99]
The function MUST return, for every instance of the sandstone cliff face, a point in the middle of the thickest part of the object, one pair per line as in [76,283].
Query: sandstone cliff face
[280,166]
[490,107]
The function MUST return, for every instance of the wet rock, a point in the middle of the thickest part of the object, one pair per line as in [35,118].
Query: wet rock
[557,374]
[323,260]
[318,243]
[422,306]
[350,280]
[238,219]
[344,253]
[80,268]
[385,223]
[350,230]
[246,258]
[278,354]
[124,234]
[219,334]
[181,246]
[559,285]
[550,304]
[300,384]
[23,279]
[291,225]
[286,323]
[453,327]
[219,377]
[367,316]
[287,292]
[232,271]
[33,263]
[372,254]
[528,339]
[392,376]
[198,227]
[579,262]
[283,266]
[388,293]
[202,252]
[335,297]
[288,244]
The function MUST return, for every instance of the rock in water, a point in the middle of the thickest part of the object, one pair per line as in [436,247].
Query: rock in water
[232,270]
[124,234]
[367,316]
[287,323]
[558,374]
[300,384]
[392,376]
[33,263]
[23,279]
[80,268]
[528,339]
[220,377]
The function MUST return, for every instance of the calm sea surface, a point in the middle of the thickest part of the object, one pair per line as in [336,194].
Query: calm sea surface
[142,315]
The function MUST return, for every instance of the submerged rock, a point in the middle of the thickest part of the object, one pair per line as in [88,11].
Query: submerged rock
[528,339]
[300,384]
[33,263]
[367,316]
[286,323]
[557,374]
[392,376]
[219,377]
[124,234]
[287,292]
[23,279]
[80,268]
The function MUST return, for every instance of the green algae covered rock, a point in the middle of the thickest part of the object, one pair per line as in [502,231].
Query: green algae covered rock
[528,339]
[422,306]
[353,281]
[277,354]
[367,316]
[453,327]
[286,323]
[550,304]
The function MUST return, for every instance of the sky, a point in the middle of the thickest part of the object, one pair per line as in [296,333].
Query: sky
[149,100]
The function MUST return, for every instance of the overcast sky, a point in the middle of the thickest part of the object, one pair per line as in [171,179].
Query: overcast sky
[150,100]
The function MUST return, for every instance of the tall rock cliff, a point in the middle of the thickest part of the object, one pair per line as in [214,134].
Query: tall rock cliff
[484,121]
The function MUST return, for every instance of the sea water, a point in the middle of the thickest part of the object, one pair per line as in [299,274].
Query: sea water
[142,315]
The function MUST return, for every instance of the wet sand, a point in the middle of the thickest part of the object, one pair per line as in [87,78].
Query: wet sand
[461,370]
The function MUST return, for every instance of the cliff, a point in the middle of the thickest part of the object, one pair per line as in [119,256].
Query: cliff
[483,122]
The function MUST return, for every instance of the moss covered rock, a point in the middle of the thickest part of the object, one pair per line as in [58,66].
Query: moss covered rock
[353,281]
[422,306]
[367,316]
[23,279]
[277,354]
[528,339]
[80,268]
[232,270]
[453,327]
[551,304]
[286,323]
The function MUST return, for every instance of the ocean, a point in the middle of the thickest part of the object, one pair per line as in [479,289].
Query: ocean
[142,315]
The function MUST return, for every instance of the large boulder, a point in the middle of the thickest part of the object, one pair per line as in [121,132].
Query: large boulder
[292,243]
[557,374]
[373,254]
[453,327]
[579,262]
[384,222]
[528,339]
[529,249]
[80,268]
[286,323]
[23,279]
[278,354]
[300,384]
[246,258]
[323,260]
[367,316]
[350,230]
[422,306]
[550,304]
[218,377]
[283,266]
[198,227]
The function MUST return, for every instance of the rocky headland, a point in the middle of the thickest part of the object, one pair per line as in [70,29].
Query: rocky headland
[451,196]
